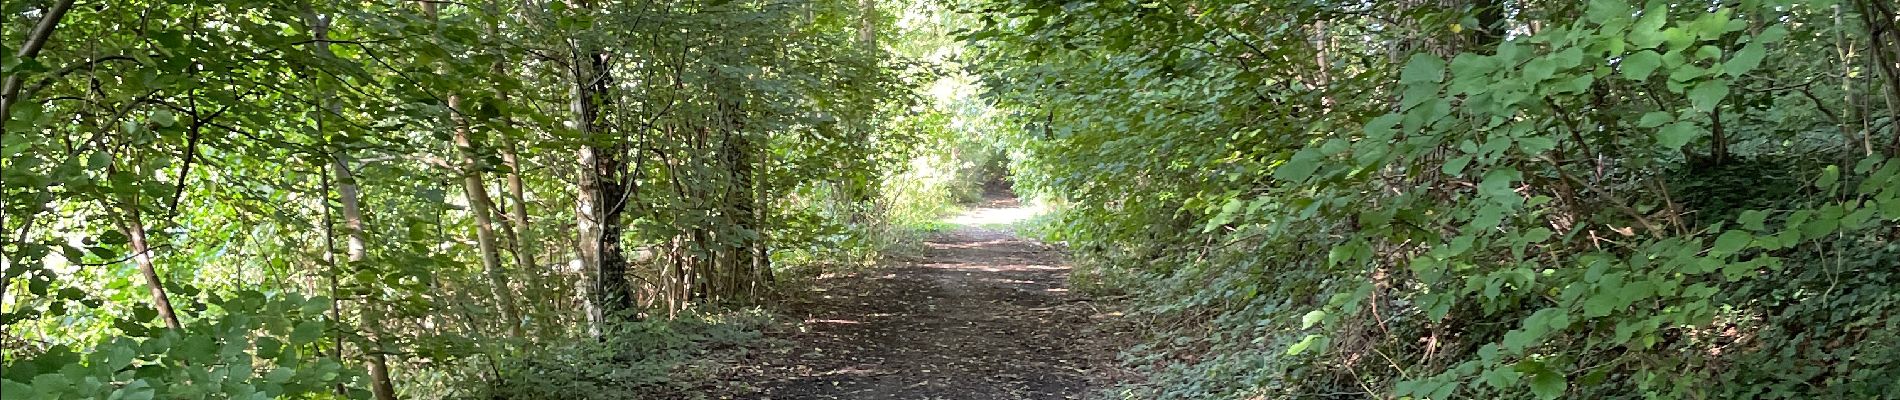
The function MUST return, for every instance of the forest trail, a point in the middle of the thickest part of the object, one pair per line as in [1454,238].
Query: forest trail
[979,314]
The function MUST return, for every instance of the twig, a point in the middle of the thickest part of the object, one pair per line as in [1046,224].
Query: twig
[1620,205]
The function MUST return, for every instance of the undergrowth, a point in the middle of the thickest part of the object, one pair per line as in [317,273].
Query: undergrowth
[1603,199]
[650,359]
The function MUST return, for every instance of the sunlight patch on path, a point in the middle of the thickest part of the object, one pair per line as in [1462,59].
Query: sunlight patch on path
[995,216]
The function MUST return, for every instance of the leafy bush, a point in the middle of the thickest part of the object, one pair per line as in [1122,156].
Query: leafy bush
[1470,199]
[650,359]
[262,346]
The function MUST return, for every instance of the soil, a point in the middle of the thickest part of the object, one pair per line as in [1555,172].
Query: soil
[979,314]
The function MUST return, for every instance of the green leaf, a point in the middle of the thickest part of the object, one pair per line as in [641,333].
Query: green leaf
[10,390]
[1857,219]
[98,160]
[1423,68]
[1676,135]
[1678,38]
[1226,215]
[1655,119]
[1599,305]
[1601,11]
[269,347]
[137,390]
[315,305]
[1745,60]
[117,355]
[1547,384]
[1557,319]
[1301,347]
[1681,74]
[1732,241]
[170,39]
[306,332]
[1539,69]
[280,375]
[164,118]
[1579,84]
[1537,235]
[1383,127]
[1455,165]
[1536,144]
[1753,220]
[1312,318]
[1830,176]
[1708,52]
[1774,33]
[1647,31]
[1708,94]
[1736,270]
[1639,65]
[50,383]
[1301,166]
[1501,377]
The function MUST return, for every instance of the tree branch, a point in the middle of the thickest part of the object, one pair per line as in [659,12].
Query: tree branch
[35,41]
[62,72]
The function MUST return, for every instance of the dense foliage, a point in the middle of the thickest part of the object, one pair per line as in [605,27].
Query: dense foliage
[583,198]
[292,199]
[1473,198]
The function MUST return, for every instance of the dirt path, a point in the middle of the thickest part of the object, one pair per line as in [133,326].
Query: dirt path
[980,314]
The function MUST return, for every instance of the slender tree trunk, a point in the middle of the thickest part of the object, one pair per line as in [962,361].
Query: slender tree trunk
[376,362]
[481,207]
[1845,51]
[329,258]
[848,191]
[1322,50]
[762,217]
[142,255]
[867,23]
[518,229]
[1883,39]
[358,253]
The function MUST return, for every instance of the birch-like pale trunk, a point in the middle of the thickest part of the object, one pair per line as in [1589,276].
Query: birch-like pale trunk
[357,239]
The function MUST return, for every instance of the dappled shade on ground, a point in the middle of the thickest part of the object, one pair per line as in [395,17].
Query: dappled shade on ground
[979,314]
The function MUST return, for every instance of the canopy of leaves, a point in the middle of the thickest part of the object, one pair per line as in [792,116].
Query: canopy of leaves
[291,175]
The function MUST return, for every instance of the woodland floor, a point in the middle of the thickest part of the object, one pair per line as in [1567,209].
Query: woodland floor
[979,313]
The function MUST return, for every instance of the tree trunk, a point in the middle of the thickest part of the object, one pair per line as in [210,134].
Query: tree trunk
[142,254]
[1884,43]
[481,207]
[867,23]
[602,192]
[358,252]
[744,256]
[519,231]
